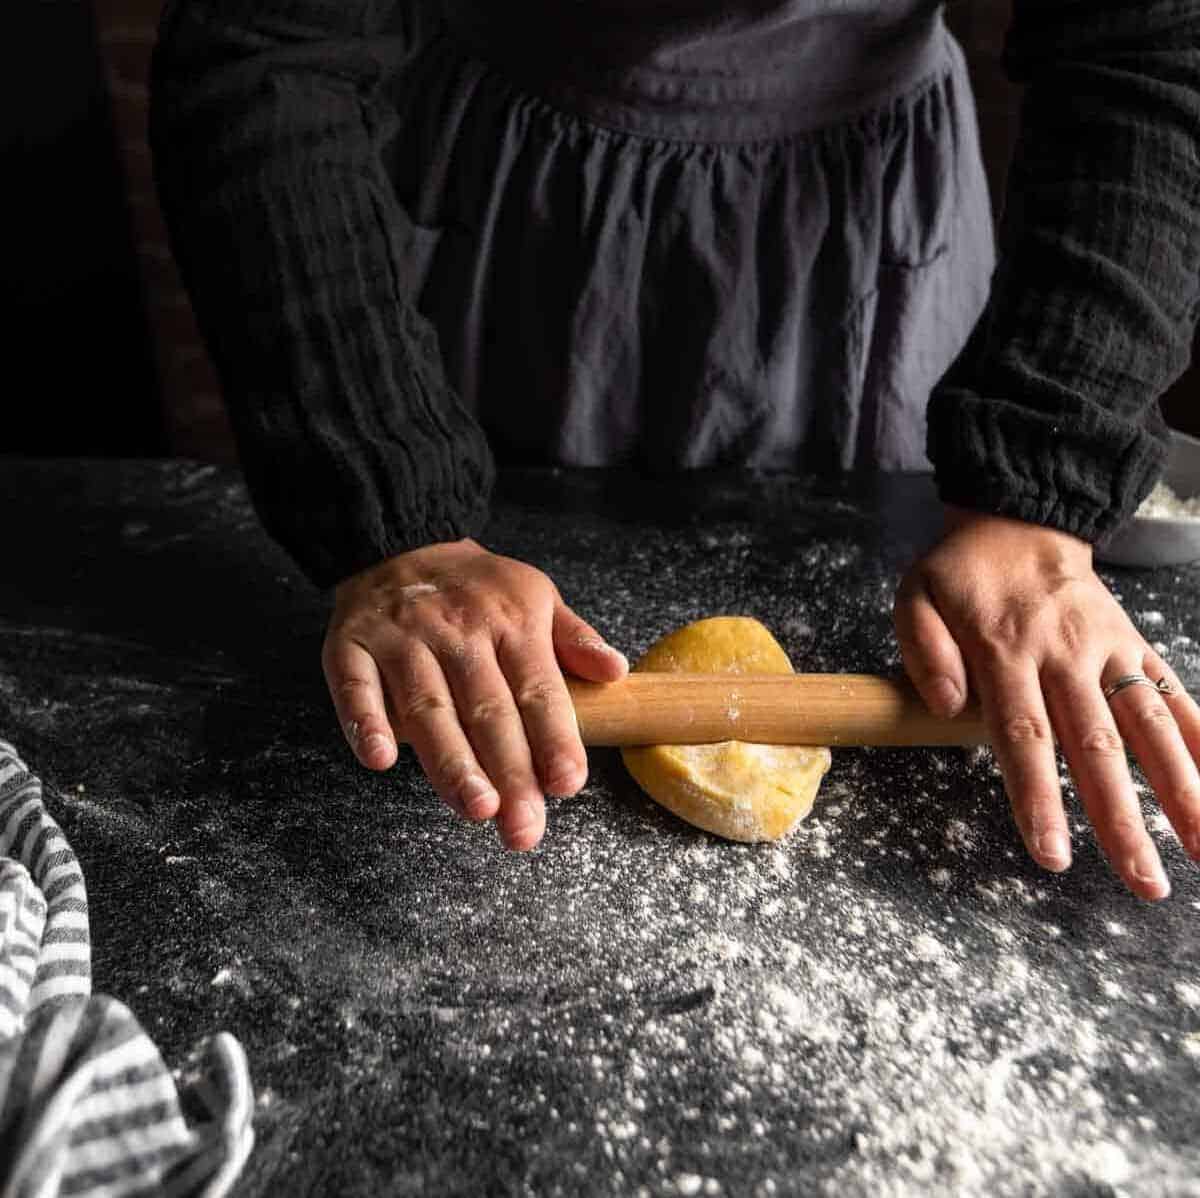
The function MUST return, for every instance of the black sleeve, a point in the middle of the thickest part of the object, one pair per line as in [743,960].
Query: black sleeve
[264,127]
[1050,414]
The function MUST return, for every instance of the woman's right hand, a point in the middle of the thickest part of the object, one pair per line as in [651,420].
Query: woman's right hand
[461,652]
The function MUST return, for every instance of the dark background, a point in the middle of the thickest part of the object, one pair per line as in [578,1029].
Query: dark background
[101,354]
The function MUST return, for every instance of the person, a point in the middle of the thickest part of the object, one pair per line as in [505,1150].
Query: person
[423,236]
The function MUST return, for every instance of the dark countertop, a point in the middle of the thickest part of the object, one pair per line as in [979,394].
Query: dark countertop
[893,1001]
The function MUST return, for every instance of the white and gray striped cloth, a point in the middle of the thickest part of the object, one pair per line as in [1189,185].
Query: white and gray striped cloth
[87,1106]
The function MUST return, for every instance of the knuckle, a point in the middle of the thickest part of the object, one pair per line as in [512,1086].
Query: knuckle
[487,710]
[351,689]
[1073,630]
[1025,729]
[1154,715]
[1005,632]
[421,705]
[458,653]
[517,618]
[1126,828]
[455,616]
[452,769]
[1102,742]
[537,694]
[1028,621]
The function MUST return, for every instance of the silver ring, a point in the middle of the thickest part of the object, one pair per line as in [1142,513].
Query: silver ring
[1162,685]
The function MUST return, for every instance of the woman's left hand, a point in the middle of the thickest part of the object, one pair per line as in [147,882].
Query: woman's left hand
[1014,614]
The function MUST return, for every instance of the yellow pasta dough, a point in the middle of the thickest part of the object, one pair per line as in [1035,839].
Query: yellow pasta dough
[733,789]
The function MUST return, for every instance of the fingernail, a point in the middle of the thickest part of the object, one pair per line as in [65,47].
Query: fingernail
[522,814]
[597,645]
[522,822]
[947,697]
[1147,868]
[1054,850]
[475,795]
[616,654]
[374,743]
[562,777]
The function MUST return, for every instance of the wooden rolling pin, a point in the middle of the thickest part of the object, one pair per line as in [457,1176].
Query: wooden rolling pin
[780,709]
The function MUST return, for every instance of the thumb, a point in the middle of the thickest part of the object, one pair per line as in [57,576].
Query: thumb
[582,651]
[931,655]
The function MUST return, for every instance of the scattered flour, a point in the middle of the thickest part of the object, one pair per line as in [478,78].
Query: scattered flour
[960,837]
[903,1049]
[1188,994]
[892,1003]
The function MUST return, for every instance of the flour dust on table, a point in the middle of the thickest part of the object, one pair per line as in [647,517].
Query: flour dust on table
[893,1002]
[797,1011]
[778,1004]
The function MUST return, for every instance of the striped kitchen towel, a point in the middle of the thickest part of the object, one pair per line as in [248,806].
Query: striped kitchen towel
[87,1106]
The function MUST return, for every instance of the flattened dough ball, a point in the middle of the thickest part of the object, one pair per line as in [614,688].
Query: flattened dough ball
[736,790]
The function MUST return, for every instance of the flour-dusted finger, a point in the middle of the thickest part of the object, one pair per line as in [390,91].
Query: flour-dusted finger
[537,684]
[1156,728]
[1095,752]
[521,822]
[357,692]
[583,651]
[488,712]
[424,711]
[931,655]
[1023,741]
[1183,706]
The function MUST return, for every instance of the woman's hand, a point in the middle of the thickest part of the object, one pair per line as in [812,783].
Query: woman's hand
[461,652]
[1016,614]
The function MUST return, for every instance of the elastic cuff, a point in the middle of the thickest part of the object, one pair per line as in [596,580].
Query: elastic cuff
[1083,473]
[333,563]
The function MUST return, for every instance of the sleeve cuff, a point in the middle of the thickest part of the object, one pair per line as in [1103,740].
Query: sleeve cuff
[1083,473]
[332,542]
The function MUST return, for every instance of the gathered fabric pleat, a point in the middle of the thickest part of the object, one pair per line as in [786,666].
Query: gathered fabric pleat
[607,292]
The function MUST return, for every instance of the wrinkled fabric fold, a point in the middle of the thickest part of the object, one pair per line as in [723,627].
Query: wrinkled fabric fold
[1051,415]
[288,237]
[613,295]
